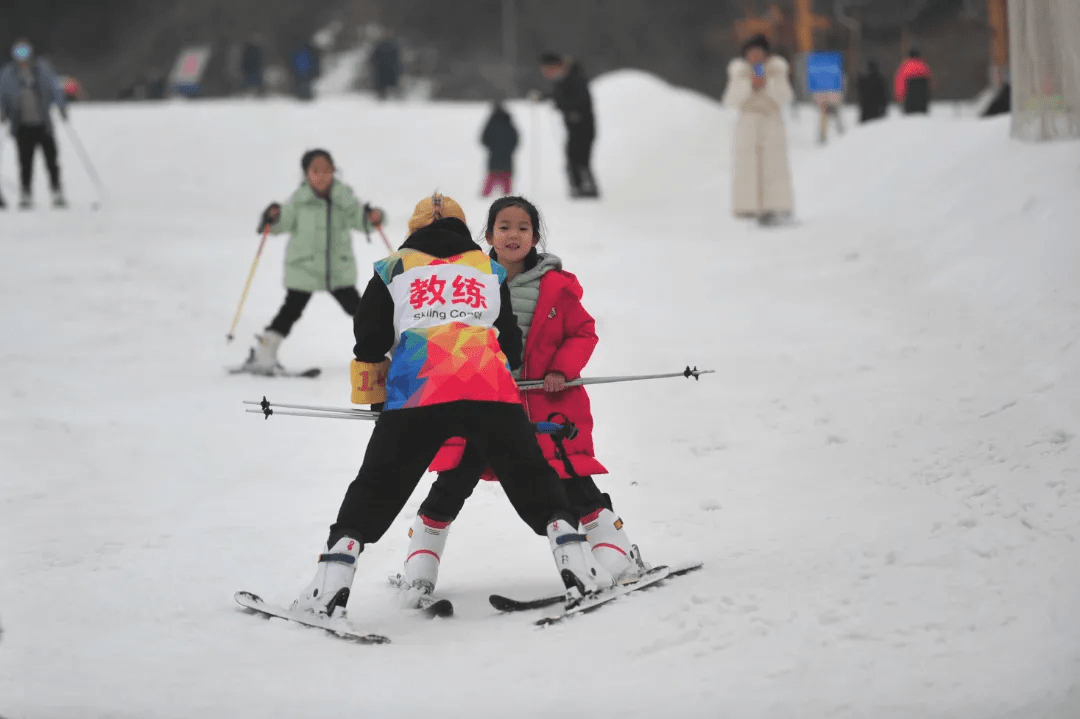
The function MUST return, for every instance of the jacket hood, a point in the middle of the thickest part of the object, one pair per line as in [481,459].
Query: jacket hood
[544,263]
[442,238]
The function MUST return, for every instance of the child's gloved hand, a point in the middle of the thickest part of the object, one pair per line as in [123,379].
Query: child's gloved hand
[375,217]
[269,216]
[554,382]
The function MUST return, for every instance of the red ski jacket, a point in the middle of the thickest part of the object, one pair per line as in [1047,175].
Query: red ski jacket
[562,338]
[910,68]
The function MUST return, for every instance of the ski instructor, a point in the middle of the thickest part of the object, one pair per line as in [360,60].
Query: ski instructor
[28,90]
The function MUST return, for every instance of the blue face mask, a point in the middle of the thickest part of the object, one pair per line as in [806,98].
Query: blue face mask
[21,52]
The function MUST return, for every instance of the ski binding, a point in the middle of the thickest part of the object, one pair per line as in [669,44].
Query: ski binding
[334,625]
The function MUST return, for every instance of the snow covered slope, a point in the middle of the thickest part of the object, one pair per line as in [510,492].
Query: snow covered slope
[883,477]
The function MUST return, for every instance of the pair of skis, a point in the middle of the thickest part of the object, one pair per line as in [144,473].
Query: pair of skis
[652,577]
[430,606]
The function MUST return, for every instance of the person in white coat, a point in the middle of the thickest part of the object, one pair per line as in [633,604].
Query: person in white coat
[758,88]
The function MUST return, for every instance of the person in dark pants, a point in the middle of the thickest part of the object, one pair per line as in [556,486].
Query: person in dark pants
[305,70]
[572,97]
[319,256]
[387,67]
[443,307]
[28,90]
[912,85]
[500,137]
[251,65]
[873,92]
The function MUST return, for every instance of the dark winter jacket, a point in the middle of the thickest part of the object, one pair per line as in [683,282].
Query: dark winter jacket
[373,325]
[386,60]
[873,92]
[47,86]
[252,63]
[500,138]
[572,97]
[306,62]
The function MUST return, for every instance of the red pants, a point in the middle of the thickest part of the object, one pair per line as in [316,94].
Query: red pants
[502,179]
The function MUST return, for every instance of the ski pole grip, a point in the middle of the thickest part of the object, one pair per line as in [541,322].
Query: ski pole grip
[558,430]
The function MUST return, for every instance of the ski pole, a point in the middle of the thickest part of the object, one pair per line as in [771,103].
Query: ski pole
[2,133]
[535,140]
[383,235]
[535,384]
[266,409]
[89,166]
[269,407]
[247,285]
[327,415]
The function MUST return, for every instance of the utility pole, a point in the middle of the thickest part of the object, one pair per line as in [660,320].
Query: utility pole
[806,22]
[998,12]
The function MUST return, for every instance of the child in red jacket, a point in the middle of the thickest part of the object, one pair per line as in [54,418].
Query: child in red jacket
[559,337]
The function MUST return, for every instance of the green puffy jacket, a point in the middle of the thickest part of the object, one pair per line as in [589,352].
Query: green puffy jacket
[320,255]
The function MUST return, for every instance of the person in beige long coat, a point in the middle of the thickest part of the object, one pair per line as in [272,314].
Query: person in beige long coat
[758,88]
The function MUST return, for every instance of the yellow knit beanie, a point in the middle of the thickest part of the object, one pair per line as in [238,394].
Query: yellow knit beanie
[435,207]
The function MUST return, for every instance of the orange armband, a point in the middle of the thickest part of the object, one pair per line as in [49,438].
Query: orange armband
[369,381]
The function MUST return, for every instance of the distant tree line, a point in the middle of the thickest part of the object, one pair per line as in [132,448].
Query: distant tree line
[687,42]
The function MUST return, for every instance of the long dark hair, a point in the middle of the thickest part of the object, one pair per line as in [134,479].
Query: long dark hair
[539,231]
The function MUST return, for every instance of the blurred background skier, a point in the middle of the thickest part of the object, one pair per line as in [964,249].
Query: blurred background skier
[319,256]
[758,88]
[912,85]
[28,90]
[573,99]
[500,137]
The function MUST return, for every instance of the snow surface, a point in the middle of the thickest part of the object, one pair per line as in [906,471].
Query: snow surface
[883,476]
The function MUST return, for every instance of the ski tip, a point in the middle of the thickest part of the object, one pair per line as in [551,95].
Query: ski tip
[503,604]
[442,609]
[247,599]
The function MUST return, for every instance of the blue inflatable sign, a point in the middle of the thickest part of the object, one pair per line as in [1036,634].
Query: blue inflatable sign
[825,72]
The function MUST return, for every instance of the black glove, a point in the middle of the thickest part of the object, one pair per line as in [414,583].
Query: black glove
[269,216]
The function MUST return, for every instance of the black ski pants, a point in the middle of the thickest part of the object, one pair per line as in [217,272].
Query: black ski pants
[296,301]
[579,143]
[28,137]
[405,441]
[451,488]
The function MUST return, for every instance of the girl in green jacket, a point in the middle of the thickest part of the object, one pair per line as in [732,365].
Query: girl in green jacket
[319,255]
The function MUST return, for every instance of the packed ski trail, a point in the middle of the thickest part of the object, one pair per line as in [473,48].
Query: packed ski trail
[882,477]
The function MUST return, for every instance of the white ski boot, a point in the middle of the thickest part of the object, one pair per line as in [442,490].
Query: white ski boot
[580,573]
[612,548]
[333,579]
[58,200]
[26,202]
[427,539]
[263,357]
